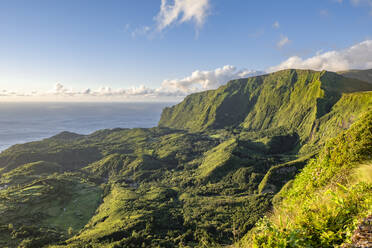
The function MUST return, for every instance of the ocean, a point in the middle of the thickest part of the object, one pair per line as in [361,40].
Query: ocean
[25,122]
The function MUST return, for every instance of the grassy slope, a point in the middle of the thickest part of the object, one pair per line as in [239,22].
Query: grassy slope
[165,187]
[322,205]
[291,98]
[345,112]
[364,75]
[159,170]
[55,203]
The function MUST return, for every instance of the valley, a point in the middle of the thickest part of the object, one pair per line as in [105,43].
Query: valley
[216,164]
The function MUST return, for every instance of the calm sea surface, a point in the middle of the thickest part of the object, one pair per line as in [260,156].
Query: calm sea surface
[25,122]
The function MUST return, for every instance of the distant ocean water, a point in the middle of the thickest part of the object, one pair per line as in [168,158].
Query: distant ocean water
[25,122]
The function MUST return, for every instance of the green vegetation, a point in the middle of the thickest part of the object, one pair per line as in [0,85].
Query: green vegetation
[323,204]
[293,99]
[206,175]
[364,75]
[42,211]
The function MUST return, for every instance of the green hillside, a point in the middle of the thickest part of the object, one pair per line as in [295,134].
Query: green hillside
[203,178]
[322,206]
[364,75]
[293,99]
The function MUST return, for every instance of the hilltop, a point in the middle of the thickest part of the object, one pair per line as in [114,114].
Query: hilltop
[297,101]
[204,177]
[288,98]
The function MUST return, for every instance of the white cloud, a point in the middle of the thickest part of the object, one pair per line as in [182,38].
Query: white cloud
[358,56]
[182,11]
[283,41]
[276,25]
[6,93]
[173,12]
[144,30]
[59,89]
[169,89]
[205,80]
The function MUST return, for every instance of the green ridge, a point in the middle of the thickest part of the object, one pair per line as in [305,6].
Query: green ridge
[203,178]
[290,98]
[364,75]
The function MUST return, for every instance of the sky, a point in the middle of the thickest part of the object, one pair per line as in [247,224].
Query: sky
[160,50]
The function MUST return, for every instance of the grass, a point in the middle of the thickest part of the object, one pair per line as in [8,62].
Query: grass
[55,203]
[217,160]
[204,177]
[288,98]
[323,204]
[77,211]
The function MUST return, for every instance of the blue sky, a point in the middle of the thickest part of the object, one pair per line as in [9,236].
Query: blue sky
[119,44]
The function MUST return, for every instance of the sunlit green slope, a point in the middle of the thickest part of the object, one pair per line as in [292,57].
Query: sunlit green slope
[322,206]
[203,178]
[292,99]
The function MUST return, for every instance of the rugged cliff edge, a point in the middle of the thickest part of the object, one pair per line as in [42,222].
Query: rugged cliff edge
[293,99]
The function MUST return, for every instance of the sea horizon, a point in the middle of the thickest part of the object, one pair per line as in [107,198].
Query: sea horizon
[24,122]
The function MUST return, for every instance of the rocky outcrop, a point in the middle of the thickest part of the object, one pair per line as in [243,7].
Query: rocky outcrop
[362,237]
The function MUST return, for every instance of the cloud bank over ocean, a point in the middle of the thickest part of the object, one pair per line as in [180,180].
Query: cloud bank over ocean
[358,56]
[172,89]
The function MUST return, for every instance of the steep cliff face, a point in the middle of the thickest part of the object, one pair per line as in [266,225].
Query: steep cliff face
[344,113]
[293,99]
